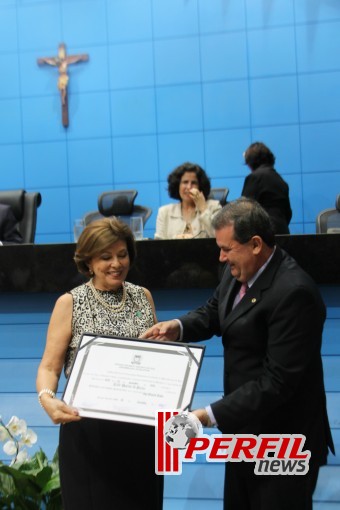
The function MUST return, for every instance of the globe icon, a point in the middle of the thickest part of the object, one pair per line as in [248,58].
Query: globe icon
[179,429]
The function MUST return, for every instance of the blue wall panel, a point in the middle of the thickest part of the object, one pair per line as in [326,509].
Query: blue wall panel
[91,114]
[10,86]
[268,56]
[166,82]
[131,65]
[83,161]
[122,26]
[319,97]
[217,16]
[314,11]
[8,29]
[224,149]
[14,175]
[270,14]
[187,116]
[230,56]
[319,151]
[88,29]
[226,105]
[274,101]
[174,147]
[133,112]
[124,157]
[32,32]
[177,61]
[45,165]
[317,46]
[174,18]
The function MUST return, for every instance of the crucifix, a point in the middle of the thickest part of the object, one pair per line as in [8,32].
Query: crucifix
[61,62]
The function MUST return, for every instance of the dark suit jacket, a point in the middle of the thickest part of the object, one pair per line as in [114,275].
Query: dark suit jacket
[273,377]
[9,232]
[268,188]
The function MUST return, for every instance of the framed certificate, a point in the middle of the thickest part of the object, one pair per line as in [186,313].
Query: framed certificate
[128,380]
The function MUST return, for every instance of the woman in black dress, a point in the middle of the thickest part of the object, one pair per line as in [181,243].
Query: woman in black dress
[103,464]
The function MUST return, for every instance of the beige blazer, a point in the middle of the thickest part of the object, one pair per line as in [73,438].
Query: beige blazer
[170,224]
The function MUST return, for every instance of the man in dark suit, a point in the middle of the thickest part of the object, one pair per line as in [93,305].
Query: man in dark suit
[9,232]
[273,376]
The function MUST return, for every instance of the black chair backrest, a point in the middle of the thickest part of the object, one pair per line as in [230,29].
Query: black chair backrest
[328,220]
[119,203]
[219,194]
[24,206]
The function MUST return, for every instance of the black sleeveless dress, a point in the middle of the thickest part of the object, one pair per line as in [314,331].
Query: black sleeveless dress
[108,465]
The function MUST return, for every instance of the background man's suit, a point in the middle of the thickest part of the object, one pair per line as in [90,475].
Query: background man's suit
[273,376]
[267,186]
[9,232]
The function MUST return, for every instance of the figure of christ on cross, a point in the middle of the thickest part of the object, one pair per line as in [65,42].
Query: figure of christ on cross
[61,62]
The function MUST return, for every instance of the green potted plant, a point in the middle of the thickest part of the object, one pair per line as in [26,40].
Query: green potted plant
[27,483]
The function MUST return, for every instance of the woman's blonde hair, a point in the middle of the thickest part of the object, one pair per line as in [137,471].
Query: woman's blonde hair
[97,237]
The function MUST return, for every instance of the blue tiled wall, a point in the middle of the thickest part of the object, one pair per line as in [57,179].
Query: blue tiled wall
[168,81]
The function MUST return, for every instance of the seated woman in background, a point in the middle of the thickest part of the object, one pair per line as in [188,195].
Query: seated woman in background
[265,185]
[191,216]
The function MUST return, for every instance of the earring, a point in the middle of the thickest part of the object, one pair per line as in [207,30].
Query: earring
[91,272]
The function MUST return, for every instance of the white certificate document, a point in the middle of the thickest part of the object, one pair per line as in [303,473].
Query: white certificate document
[128,380]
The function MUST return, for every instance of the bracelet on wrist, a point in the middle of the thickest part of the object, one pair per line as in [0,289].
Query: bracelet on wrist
[42,392]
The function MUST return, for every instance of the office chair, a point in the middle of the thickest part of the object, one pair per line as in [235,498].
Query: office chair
[119,203]
[219,194]
[92,216]
[328,220]
[24,206]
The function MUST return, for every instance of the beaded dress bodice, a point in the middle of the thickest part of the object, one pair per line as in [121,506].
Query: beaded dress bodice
[90,316]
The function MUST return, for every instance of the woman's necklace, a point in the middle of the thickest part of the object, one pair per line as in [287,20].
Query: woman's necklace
[187,228]
[105,304]
[188,215]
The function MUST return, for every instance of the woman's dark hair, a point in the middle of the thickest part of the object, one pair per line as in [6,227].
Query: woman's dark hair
[248,218]
[258,154]
[100,235]
[176,175]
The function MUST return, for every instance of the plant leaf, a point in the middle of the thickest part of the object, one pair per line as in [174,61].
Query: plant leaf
[7,486]
[25,484]
[52,484]
[31,485]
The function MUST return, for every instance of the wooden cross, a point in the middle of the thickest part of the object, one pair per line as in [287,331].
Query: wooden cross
[61,62]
